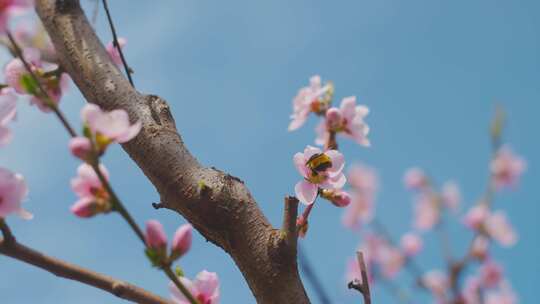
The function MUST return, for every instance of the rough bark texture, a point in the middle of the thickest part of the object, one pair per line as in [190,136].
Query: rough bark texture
[218,205]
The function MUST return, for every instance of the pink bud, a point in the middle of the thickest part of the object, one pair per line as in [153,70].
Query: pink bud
[155,235]
[80,147]
[333,119]
[181,241]
[415,178]
[85,207]
[337,197]
[411,244]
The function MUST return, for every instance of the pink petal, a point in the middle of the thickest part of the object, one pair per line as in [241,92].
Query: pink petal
[306,192]
[338,162]
[348,108]
[300,164]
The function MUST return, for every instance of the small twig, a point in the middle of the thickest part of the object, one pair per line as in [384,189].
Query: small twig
[310,274]
[9,238]
[73,272]
[290,213]
[363,285]
[116,44]
[117,204]
[157,205]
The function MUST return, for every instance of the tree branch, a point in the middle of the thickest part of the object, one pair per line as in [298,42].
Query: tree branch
[69,271]
[223,210]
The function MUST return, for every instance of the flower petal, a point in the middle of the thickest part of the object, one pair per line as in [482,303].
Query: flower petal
[306,192]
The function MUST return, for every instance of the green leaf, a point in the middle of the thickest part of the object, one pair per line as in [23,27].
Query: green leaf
[153,256]
[30,84]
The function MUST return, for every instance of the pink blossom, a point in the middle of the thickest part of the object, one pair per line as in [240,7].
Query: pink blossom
[80,147]
[181,241]
[426,212]
[498,227]
[8,111]
[87,183]
[9,8]
[390,260]
[411,244]
[93,197]
[476,216]
[114,125]
[54,85]
[491,273]
[347,120]
[415,178]
[379,252]
[506,168]
[313,98]
[13,190]
[451,195]
[34,35]
[113,51]
[471,292]
[205,289]
[319,169]
[504,295]
[479,248]
[437,282]
[15,70]
[155,236]
[364,183]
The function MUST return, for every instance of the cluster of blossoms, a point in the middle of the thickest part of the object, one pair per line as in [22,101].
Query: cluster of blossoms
[322,170]
[100,130]
[205,287]
[385,259]
[13,187]
[38,76]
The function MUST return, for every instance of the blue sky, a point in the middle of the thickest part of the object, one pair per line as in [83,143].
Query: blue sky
[431,73]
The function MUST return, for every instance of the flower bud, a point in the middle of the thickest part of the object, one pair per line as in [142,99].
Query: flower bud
[81,147]
[155,235]
[181,241]
[333,119]
[85,207]
[337,197]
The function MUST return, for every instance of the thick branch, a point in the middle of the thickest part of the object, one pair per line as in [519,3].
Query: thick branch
[218,205]
[69,271]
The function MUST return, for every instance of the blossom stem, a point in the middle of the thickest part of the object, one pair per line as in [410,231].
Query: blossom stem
[117,204]
[43,93]
[116,44]
[6,232]
[168,271]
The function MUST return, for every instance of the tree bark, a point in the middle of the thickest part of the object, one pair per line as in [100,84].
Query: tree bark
[218,205]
